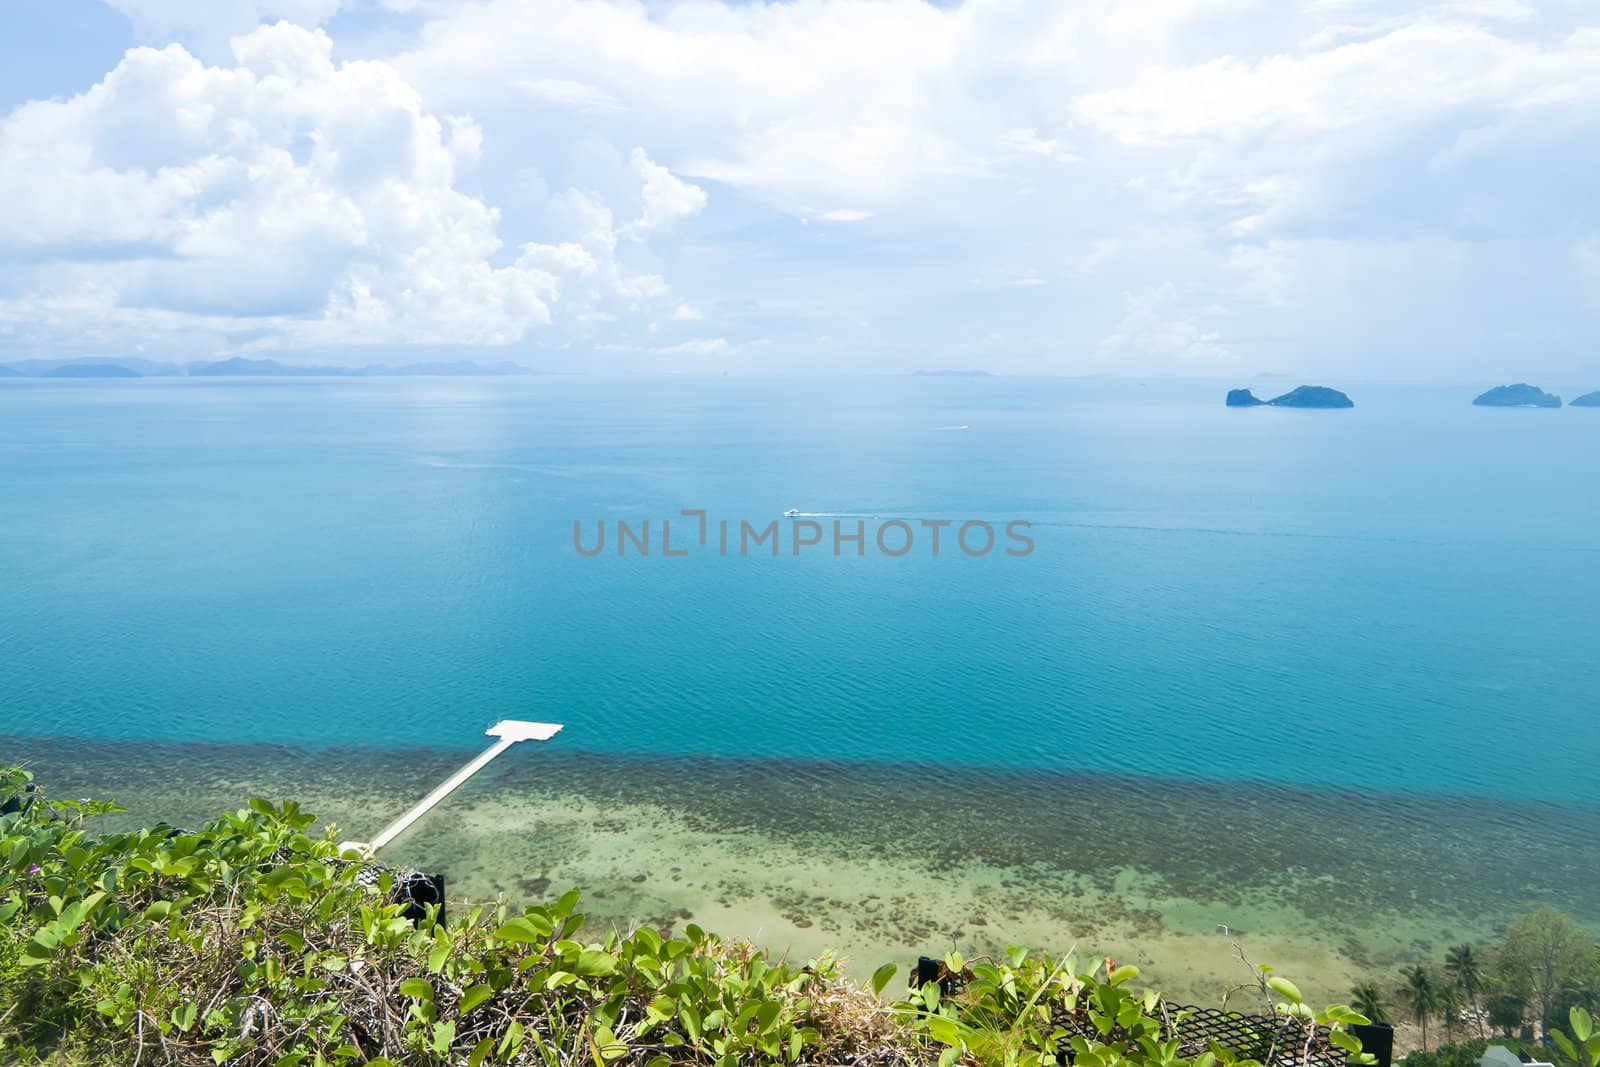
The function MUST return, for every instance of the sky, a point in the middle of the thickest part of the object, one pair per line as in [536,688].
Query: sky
[1344,189]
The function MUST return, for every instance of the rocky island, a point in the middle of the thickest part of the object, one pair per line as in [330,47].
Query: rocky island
[91,370]
[1587,400]
[1306,396]
[1521,395]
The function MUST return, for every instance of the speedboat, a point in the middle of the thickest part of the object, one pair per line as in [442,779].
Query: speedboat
[792,513]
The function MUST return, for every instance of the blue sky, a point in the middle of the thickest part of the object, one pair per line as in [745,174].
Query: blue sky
[1336,189]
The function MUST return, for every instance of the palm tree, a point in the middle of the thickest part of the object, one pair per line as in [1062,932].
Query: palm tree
[1366,999]
[1461,964]
[1447,1001]
[1421,996]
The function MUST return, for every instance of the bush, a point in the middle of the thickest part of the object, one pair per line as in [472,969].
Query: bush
[250,941]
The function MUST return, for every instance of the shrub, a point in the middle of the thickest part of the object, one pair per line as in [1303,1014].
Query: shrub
[251,941]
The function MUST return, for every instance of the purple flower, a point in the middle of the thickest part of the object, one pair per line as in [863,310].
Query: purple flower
[33,869]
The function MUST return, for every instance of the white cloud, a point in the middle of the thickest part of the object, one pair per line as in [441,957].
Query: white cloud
[1100,253]
[707,346]
[1586,254]
[1009,278]
[1399,78]
[1155,331]
[599,284]
[207,25]
[667,198]
[699,347]
[284,195]
[576,95]
[1298,167]
[1028,142]
[1269,272]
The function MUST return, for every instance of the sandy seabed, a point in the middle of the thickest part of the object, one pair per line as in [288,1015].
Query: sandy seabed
[883,864]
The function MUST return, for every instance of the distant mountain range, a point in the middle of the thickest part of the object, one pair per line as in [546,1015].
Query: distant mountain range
[239,367]
[91,370]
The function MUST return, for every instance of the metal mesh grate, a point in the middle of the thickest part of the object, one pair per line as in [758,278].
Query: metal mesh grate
[1273,1040]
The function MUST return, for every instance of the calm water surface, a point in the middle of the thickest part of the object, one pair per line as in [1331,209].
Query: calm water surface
[1394,603]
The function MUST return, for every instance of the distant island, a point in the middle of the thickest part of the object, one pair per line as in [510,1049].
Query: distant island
[1521,395]
[91,370]
[1587,400]
[951,374]
[240,367]
[1306,396]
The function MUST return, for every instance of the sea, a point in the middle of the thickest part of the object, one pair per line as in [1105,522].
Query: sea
[1176,675]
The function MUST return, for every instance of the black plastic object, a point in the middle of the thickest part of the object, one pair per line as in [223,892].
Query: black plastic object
[21,802]
[929,969]
[412,888]
[417,891]
[1377,1040]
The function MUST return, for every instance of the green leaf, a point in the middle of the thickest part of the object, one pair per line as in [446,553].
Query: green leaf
[1125,973]
[511,1043]
[881,976]
[1286,989]
[1345,1040]
[519,930]
[691,1022]
[1582,1025]
[474,996]
[593,963]
[480,1051]
[420,988]
[564,906]
[945,1031]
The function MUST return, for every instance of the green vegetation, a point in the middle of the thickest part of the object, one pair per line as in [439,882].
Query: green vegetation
[250,941]
[1366,999]
[1544,967]
[1461,964]
[1580,1048]
[1548,961]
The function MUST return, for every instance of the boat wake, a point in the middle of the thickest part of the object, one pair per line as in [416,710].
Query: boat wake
[829,515]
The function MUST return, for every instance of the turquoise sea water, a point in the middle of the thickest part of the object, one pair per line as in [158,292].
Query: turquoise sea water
[1326,677]
[1399,598]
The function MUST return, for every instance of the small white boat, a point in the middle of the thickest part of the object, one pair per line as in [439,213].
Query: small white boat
[792,513]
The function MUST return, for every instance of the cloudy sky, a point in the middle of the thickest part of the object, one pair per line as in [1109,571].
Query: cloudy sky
[1343,188]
